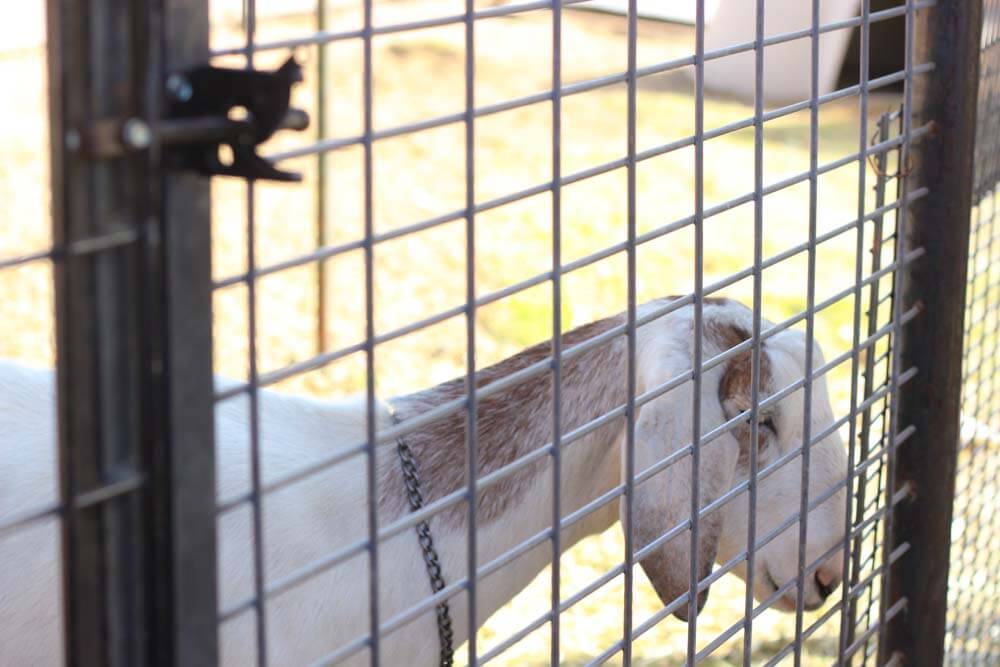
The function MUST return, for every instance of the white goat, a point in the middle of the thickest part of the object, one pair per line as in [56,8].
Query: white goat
[325,512]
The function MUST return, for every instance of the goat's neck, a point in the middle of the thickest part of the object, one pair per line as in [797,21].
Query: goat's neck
[511,424]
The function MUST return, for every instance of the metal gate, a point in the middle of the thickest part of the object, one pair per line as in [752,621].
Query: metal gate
[148,257]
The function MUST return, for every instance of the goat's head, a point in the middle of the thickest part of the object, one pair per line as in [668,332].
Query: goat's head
[664,429]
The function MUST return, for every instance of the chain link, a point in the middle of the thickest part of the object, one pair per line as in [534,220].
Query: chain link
[411,479]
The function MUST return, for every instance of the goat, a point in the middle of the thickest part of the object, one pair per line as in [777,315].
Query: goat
[324,512]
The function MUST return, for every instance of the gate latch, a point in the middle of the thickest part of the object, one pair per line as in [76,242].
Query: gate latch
[241,108]
[208,109]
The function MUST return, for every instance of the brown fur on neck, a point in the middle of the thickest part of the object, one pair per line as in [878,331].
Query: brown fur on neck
[510,423]
[518,420]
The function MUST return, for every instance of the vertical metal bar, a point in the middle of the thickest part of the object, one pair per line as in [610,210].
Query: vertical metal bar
[949,35]
[322,176]
[883,482]
[881,162]
[810,326]
[699,234]
[260,600]
[369,251]
[630,166]
[859,250]
[755,351]
[183,476]
[99,333]
[900,284]
[471,427]
[555,647]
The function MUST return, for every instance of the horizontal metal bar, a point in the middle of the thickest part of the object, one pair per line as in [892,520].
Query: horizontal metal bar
[19,260]
[103,494]
[299,260]
[82,501]
[565,605]
[30,516]
[115,239]
[343,652]
[291,478]
[87,246]
[890,614]
[897,659]
[302,574]
[513,639]
[514,553]
[721,639]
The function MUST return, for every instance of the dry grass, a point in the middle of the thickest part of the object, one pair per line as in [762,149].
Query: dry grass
[418,76]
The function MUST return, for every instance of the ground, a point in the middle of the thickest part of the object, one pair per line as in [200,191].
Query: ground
[419,75]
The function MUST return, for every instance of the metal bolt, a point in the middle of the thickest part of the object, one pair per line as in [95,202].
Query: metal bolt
[72,140]
[136,133]
[179,87]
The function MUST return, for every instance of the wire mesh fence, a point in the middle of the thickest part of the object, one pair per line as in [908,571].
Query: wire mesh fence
[615,336]
[863,283]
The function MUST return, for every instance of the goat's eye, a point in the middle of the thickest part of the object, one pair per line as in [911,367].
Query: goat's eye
[767,424]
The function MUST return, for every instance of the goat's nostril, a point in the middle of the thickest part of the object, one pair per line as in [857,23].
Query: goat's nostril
[825,583]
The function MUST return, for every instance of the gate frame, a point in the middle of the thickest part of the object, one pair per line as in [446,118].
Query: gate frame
[131,249]
[947,34]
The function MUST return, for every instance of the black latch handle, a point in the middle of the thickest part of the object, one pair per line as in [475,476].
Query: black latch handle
[200,120]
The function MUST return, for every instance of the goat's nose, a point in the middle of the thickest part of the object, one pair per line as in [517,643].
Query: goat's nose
[827,580]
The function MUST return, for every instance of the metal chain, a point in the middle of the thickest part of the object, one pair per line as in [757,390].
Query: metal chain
[411,478]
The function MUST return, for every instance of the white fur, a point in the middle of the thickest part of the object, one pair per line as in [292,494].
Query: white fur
[315,517]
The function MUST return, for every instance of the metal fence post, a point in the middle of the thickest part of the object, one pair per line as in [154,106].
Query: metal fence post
[133,329]
[947,34]
[96,215]
[186,469]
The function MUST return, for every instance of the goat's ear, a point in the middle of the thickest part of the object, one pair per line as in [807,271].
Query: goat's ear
[663,427]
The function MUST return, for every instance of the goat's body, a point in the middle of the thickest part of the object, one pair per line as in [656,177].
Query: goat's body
[323,514]
[302,523]
[30,586]
[327,512]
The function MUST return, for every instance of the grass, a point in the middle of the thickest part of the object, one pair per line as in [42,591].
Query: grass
[420,75]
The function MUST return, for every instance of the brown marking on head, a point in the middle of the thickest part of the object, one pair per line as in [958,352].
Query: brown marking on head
[510,423]
[735,388]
